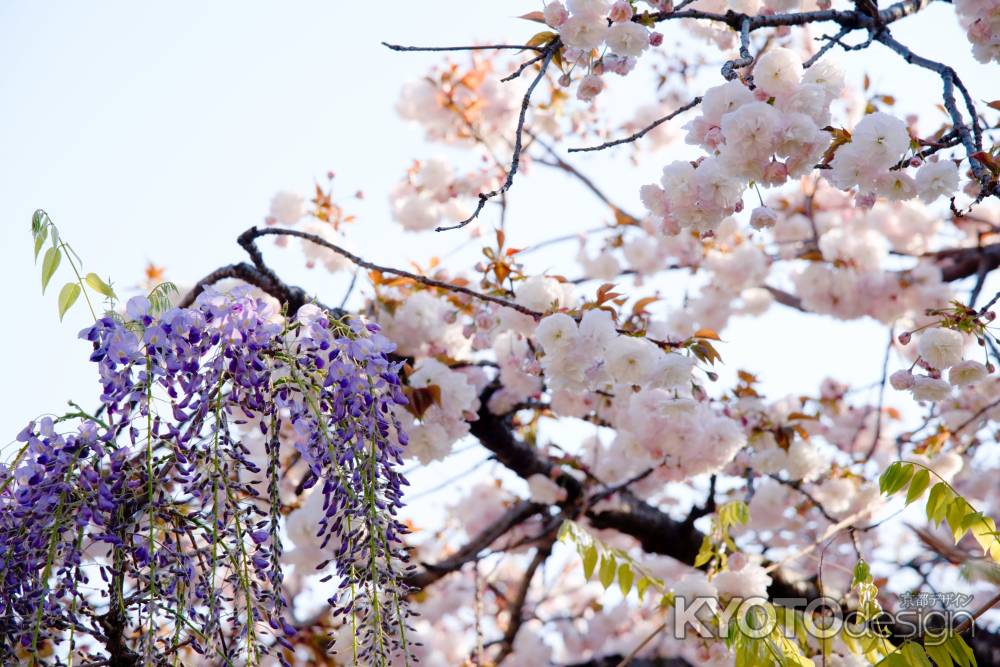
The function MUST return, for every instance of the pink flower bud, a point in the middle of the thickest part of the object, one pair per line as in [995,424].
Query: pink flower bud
[485,321]
[590,87]
[763,217]
[915,162]
[480,342]
[739,206]
[665,6]
[737,561]
[620,11]
[555,14]
[714,138]
[990,316]
[901,380]
[904,338]
[865,200]
[565,80]
[655,38]
[824,4]
[775,173]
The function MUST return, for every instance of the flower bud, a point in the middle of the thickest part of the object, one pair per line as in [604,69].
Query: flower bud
[620,11]
[775,173]
[655,38]
[763,217]
[901,380]
[590,87]
[555,14]
[904,338]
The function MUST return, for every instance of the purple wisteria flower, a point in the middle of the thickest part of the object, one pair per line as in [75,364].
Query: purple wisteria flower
[150,529]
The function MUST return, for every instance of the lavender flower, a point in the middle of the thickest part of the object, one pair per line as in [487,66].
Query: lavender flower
[151,521]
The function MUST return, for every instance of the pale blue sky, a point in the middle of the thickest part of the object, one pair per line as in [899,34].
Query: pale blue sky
[159,131]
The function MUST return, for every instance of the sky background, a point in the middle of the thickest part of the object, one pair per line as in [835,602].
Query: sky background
[159,131]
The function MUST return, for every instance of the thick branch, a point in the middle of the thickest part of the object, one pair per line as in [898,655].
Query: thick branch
[514,516]
[295,297]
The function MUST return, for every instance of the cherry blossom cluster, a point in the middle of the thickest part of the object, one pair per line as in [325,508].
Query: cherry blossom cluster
[981,20]
[431,193]
[774,132]
[588,25]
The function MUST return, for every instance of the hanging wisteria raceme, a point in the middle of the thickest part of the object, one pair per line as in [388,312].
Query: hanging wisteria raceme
[151,529]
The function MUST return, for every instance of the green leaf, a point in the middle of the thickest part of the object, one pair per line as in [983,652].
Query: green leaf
[49,265]
[160,297]
[67,297]
[607,573]
[38,221]
[886,478]
[565,530]
[960,651]
[642,585]
[939,654]
[914,655]
[704,553]
[589,561]
[921,480]
[957,512]
[625,577]
[40,241]
[985,532]
[95,283]
[861,573]
[901,479]
[937,502]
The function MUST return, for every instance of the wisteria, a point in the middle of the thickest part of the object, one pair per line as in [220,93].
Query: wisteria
[151,527]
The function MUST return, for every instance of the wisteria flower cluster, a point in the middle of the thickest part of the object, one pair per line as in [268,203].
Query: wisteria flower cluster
[152,520]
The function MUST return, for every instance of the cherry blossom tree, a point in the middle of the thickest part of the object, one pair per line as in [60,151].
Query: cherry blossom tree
[236,494]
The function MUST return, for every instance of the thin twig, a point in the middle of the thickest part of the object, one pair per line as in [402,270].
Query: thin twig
[477,47]
[550,51]
[641,133]
[881,395]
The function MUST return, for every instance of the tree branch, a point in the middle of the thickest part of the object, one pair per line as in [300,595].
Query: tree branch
[549,50]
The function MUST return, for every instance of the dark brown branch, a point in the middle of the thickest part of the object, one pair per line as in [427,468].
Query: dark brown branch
[517,604]
[247,240]
[523,66]
[514,516]
[295,297]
